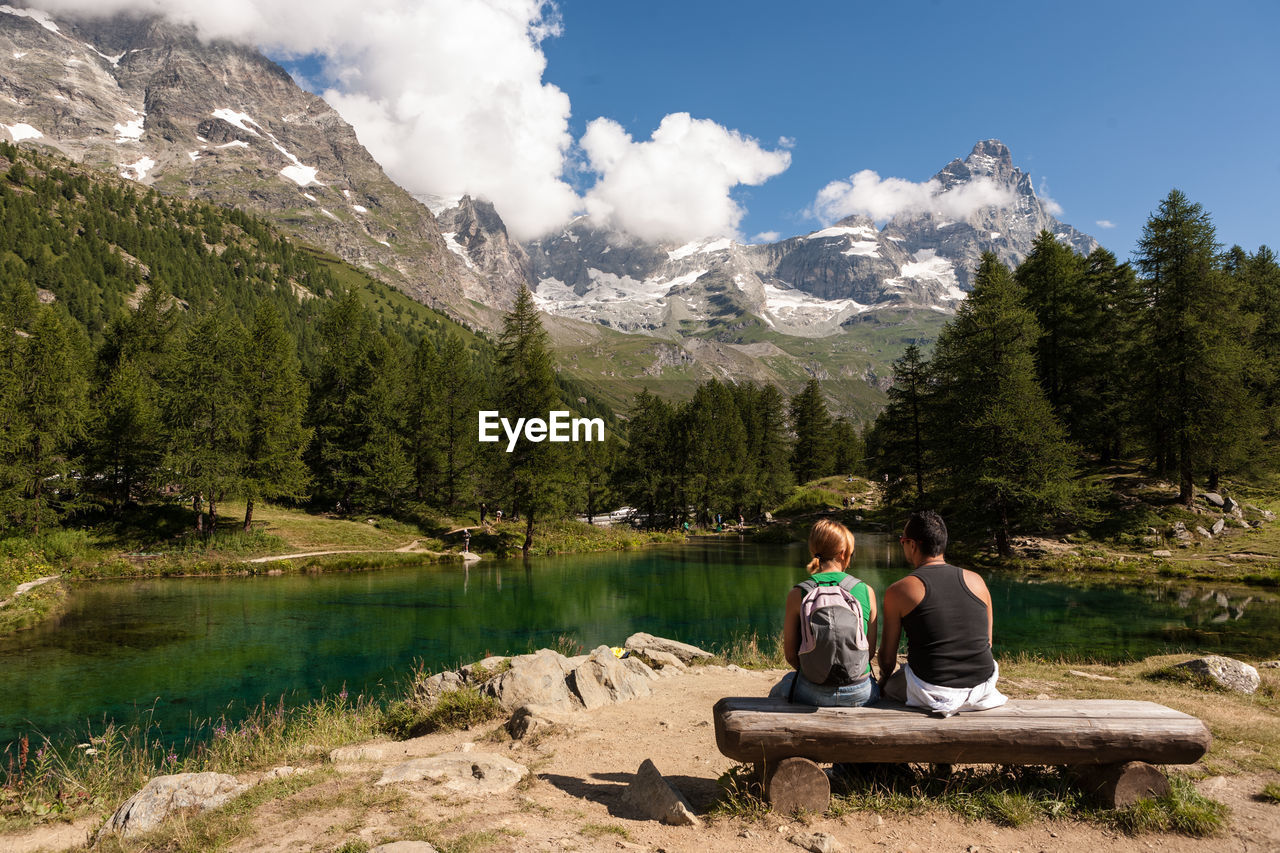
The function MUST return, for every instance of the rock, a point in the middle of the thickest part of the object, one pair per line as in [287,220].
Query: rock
[352,754]
[281,772]
[536,679]
[1225,672]
[404,847]
[1218,527]
[1269,664]
[1151,531]
[1268,515]
[482,670]
[470,774]
[529,720]
[1202,533]
[644,642]
[430,690]
[165,794]
[1228,505]
[640,668]
[664,659]
[1213,498]
[604,679]
[1162,553]
[818,842]
[1079,674]
[651,797]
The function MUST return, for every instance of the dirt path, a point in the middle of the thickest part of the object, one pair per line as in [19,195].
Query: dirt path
[411,548]
[574,798]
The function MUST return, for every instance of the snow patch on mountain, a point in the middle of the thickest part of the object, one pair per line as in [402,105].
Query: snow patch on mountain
[21,131]
[700,248]
[130,131]
[41,18]
[928,266]
[137,171]
[451,240]
[239,119]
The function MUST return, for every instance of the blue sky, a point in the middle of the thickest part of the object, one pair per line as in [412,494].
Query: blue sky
[1107,105]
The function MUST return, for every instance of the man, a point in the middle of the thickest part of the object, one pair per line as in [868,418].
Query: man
[946,612]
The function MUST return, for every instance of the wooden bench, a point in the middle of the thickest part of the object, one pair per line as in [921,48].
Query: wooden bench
[1116,741]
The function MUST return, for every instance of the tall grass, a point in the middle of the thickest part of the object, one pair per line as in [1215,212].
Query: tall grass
[40,778]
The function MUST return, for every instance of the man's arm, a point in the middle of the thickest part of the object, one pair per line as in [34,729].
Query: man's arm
[978,587]
[891,620]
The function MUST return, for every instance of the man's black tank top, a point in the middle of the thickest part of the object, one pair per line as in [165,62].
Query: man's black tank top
[947,631]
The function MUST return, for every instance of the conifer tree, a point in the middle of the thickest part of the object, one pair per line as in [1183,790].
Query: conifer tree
[49,418]
[645,476]
[1052,277]
[275,398]
[897,442]
[1002,457]
[763,413]
[204,411]
[1196,332]
[811,456]
[536,470]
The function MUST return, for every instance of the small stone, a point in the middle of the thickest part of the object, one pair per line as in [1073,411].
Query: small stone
[817,842]
[1213,498]
[746,833]
[1163,552]
[1042,696]
[1269,664]
[1218,527]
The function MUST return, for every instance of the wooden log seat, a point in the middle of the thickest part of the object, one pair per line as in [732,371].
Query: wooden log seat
[1114,741]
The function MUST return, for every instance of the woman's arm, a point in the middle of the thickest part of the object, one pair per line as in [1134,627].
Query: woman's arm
[791,628]
[873,624]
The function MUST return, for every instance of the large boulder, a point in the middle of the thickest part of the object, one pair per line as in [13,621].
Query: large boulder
[536,679]
[1214,498]
[604,679]
[163,795]
[1228,505]
[643,643]
[1218,527]
[465,773]
[1225,672]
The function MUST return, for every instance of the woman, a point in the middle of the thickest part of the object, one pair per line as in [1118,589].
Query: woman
[831,547]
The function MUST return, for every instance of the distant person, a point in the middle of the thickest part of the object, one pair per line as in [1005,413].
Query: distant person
[483,509]
[947,614]
[829,643]
[497,516]
[466,540]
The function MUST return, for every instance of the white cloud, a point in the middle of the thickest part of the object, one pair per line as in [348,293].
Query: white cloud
[868,194]
[1105,223]
[766,237]
[446,94]
[1050,206]
[676,185]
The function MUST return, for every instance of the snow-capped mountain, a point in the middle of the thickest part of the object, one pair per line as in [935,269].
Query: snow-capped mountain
[807,285]
[220,122]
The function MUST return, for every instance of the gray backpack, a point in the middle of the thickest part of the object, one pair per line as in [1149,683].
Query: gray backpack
[833,637]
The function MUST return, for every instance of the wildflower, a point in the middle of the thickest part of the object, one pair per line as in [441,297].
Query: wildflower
[172,757]
[342,697]
[91,751]
[221,730]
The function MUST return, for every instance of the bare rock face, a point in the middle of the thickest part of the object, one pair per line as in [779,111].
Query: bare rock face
[650,796]
[164,795]
[645,643]
[220,122]
[1224,672]
[604,679]
[536,679]
[464,773]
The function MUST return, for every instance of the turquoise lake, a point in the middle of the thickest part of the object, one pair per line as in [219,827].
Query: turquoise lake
[193,649]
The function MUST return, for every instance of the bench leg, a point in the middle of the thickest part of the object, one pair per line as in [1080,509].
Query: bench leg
[798,784]
[1118,785]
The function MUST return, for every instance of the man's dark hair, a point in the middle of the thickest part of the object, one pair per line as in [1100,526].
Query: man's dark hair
[927,529]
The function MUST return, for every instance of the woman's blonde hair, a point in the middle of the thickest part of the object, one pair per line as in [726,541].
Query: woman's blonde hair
[826,540]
